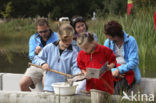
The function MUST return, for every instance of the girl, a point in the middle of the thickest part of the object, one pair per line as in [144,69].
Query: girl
[93,55]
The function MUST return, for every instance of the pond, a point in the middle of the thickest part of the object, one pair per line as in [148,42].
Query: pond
[18,63]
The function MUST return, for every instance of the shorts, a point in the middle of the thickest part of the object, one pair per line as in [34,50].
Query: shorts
[36,74]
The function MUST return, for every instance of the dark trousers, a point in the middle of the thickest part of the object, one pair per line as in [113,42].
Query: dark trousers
[123,85]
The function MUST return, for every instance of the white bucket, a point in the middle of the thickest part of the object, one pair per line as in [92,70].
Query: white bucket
[63,88]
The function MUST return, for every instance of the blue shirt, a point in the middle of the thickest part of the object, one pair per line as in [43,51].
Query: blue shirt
[36,41]
[66,63]
[130,53]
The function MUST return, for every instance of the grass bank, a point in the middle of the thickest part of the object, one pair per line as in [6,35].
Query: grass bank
[14,34]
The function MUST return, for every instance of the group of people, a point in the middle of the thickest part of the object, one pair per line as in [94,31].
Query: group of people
[73,49]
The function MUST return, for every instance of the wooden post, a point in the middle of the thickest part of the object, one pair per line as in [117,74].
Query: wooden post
[98,96]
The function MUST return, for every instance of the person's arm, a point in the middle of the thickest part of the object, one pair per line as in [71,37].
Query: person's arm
[106,43]
[110,66]
[32,47]
[41,58]
[37,50]
[133,58]
[84,72]
[113,62]
[80,63]
[74,68]
[111,59]
[45,66]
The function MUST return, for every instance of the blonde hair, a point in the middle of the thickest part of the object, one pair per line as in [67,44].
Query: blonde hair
[66,31]
[84,38]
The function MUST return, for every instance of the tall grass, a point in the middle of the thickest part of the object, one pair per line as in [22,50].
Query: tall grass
[141,26]
[14,34]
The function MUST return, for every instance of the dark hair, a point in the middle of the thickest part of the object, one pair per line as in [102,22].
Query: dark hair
[42,22]
[76,19]
[113,28]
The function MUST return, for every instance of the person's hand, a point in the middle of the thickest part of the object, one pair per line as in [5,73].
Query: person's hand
[116,73]
[121,76]
[37,50]
[80,73]
[85,73]
[45,67]
[109,67]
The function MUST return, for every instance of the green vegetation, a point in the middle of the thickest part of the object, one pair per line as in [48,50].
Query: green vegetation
[8,10]
[58,8]
[15,33]
[141,26]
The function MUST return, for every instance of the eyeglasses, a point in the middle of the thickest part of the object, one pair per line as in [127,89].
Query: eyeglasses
[45,31]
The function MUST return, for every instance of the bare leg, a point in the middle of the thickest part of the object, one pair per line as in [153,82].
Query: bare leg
[25,83]
[42,82]
[43,77]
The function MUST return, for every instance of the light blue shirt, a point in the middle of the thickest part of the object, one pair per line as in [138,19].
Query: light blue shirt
[130,53]
[35,41]
[66,63]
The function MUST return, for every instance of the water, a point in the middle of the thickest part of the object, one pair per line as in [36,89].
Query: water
[19,63]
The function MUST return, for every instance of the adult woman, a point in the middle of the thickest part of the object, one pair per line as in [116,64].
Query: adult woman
[126,51]
[93,55]
[80,26]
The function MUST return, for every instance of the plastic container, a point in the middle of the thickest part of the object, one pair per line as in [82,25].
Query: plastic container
[63,88]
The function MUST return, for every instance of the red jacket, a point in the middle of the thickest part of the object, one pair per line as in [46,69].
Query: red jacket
[100,56]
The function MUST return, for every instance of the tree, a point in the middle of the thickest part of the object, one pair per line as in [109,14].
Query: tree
[8,9]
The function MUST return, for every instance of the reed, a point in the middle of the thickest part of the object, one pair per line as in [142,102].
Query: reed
[141,27]
[15,34]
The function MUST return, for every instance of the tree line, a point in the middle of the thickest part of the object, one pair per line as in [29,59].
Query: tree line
[58,8]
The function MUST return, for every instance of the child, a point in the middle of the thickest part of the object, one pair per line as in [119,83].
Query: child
[59,56]
[94,55]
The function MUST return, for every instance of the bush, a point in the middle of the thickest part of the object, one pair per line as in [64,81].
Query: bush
[8,9]
[144,3]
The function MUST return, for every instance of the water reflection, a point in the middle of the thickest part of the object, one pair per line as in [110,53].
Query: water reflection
[18,62]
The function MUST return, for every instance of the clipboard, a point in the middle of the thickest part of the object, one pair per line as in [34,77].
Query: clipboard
[96,73]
